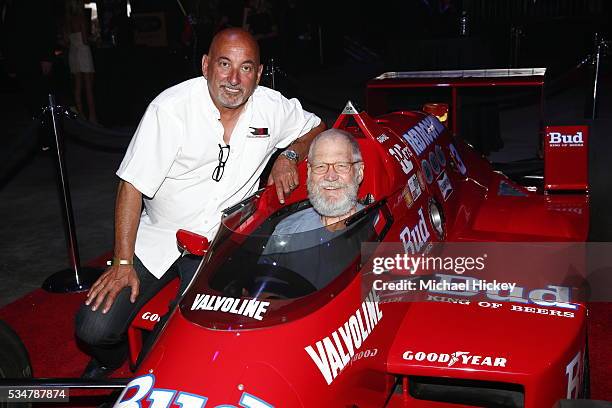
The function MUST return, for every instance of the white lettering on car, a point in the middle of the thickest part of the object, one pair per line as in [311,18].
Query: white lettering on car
[416,237]
[246,307]
[465,358]
[334,352]
[423,134]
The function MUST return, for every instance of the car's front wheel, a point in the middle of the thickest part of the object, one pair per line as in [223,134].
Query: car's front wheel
[14,360]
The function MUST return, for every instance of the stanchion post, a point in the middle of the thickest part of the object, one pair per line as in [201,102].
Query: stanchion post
[64,190]
[75,278]
[598,49]
[272,73]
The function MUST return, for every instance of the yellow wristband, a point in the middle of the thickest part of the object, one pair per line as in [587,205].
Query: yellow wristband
[119,261]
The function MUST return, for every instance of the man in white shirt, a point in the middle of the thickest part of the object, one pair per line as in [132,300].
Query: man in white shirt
[201,146]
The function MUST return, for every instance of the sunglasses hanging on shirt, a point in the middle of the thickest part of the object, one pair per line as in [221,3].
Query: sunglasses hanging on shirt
[224,152]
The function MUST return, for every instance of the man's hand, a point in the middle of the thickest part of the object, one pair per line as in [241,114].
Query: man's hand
[110,284]
[285,176]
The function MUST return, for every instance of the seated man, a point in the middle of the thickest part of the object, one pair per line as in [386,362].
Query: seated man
[335,170]
[314,242]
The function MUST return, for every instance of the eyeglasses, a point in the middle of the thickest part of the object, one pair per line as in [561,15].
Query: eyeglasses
[339,167]
[223,156]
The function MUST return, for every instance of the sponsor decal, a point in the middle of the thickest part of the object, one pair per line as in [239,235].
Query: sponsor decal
[456,158]
[415,187]
[402,155]
[414,238]
[551,296]
[141,389]
[514,308]
[556,139]
[334,352]
[433,161]
[445,299]
[427,171]
[459,358]
[440,156]
[574,373]
[258,133]
[423,134]
[421,179]
[565,208]
[153,317]
[382,138]
[541,311]
[252,308]
[369,353]
[445,185]
[408,199]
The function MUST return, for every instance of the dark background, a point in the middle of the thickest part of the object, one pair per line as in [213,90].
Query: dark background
[327,51]
[315,37]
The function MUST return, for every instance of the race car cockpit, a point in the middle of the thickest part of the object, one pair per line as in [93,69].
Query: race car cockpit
[250,264]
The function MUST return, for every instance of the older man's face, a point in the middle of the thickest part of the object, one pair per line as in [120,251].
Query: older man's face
[333,193]
[232,70]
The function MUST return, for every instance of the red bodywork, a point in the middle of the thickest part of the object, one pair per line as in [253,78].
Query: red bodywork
[566,144]
[541,354]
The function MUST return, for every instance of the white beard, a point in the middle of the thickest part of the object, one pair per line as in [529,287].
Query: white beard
[333,208]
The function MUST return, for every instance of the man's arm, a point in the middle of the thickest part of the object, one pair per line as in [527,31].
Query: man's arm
[284,171]
[127,216]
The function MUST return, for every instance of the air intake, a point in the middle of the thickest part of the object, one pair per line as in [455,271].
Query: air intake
[469,392]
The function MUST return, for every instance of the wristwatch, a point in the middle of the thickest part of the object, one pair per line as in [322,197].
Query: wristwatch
[291,155]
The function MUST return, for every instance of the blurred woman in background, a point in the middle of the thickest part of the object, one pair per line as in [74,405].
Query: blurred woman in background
[79,57]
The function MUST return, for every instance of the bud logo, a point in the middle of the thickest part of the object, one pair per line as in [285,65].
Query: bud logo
[557,139]
[142,389]
[551,296]
[464,358]
[416,237]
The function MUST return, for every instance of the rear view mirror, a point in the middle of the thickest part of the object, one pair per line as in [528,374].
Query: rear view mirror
[191,242]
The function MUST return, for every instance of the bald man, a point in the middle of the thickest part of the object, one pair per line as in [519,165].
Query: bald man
[201,146]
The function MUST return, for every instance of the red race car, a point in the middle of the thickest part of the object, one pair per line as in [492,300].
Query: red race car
[299,321]
[296,321]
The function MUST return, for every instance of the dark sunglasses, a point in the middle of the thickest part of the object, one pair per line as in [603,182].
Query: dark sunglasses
[223,156]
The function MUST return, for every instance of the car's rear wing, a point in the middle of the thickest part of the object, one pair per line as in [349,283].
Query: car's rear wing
[565,148]
[377,89]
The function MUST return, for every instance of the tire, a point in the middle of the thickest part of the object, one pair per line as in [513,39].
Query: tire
[14,360]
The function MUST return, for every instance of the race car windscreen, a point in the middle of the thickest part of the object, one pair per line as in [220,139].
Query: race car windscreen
[278,270]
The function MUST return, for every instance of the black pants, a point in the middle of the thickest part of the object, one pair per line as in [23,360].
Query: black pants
[106,334]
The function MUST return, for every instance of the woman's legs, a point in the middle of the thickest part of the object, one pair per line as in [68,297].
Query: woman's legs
[89,93]
[77,87]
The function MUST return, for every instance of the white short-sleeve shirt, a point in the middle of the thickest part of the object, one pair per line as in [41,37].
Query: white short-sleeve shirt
[175,150]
